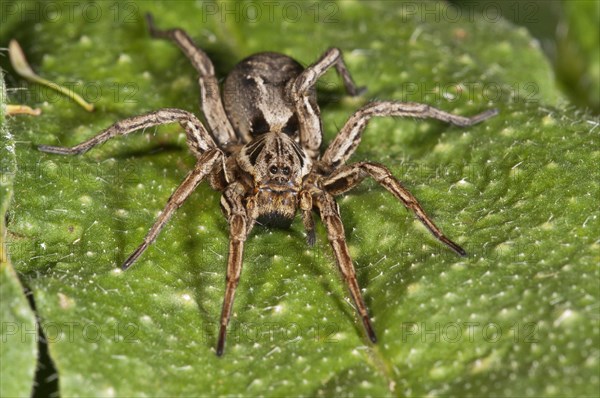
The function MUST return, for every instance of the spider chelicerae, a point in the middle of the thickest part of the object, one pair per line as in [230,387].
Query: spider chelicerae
[262,152]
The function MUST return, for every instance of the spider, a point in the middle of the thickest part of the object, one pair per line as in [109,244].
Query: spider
[262,152]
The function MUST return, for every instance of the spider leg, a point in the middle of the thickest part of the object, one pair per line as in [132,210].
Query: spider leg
[209,86]
[198,138]
[344,144]
[349,176]
[311,133]
[309,227]
[239,228]
[203,167]
[306,206]
[330,215]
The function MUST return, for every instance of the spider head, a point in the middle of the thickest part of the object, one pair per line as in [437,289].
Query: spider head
[275,161]
[277,166]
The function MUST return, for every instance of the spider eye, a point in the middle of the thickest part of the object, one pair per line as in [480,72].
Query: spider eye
[273,169]
[285,170]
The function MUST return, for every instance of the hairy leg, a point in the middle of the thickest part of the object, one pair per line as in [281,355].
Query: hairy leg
[345,143]
[329,212]
[203,167]
[350,176]
[198,138]
[209,86]
[311,133]
[239,228]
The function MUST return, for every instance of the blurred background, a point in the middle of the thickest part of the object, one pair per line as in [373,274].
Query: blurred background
[569,35]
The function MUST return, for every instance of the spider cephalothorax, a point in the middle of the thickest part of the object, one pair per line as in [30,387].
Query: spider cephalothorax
[262,152]
[277,167]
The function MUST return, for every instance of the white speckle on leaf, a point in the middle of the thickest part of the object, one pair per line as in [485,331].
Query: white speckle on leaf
[146,319]
[121,213]
[124,59]
[413,288]
[276,349]
[65,301]
[507,131]
[566,316]
[466,59]
[255,382]
[548,120]
[86,200]
[448,96]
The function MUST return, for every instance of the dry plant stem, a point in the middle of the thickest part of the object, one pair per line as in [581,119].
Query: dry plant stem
[21,66]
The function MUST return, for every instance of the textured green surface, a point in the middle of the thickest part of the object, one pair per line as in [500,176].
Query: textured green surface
[18,347]
[519,192]
[579,52]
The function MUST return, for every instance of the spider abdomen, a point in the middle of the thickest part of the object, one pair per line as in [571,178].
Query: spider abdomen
[265,105]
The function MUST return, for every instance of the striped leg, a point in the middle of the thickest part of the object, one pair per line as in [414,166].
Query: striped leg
[239,228]
[350,176]
[209,86]
[328,209]
[198,138]
[204,166]
[307,109]
[345,143]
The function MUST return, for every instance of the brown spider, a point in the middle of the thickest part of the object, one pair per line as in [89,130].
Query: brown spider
[262,153]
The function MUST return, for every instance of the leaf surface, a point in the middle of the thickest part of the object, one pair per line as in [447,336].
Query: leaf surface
[519,192]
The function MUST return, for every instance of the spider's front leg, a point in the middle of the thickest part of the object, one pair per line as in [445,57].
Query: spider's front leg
[240,225]
[350,176]
[329,211]
[200,142]
[209,86]
[203,167]
[345,143]
[311,133]
[198,139]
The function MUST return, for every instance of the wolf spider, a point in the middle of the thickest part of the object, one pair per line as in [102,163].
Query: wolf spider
[261,152]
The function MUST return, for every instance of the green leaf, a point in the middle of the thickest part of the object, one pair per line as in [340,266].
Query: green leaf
[519,192]
[578,58]
[18,348]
